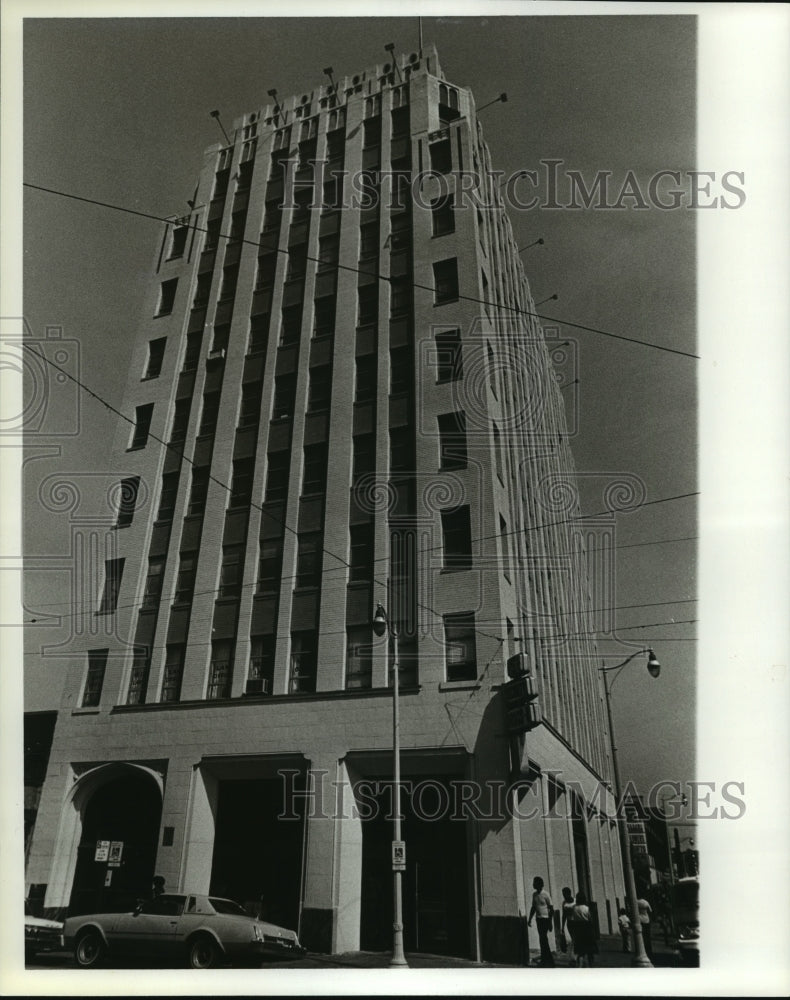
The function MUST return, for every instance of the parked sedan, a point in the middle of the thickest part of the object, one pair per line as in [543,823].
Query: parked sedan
[199,930]
[40,934]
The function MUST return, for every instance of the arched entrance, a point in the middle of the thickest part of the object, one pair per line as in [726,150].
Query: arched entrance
[117,848]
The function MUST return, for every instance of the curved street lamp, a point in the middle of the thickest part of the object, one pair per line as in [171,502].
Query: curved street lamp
[654,669]
[382,624]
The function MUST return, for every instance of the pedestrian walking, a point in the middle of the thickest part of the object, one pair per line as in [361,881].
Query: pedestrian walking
[584,939]
[624,923]
[568,904]
[543,910]
[645,913]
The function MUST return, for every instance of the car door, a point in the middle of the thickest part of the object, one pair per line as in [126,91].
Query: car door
[150,931]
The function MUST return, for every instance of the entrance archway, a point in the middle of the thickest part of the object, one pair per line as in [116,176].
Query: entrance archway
[116,854]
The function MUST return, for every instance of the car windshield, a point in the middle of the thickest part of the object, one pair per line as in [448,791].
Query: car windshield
[687,895]
[227,906]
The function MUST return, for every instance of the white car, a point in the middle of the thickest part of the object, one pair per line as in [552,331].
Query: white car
[202,931]
[41,934]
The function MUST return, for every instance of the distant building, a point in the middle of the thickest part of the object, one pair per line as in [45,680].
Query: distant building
[341,396]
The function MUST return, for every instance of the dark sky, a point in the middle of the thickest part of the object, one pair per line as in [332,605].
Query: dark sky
[117,110]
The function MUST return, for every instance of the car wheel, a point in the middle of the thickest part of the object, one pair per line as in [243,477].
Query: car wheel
[90,950]
[203,953]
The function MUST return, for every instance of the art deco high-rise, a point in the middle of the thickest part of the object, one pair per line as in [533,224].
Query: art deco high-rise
[339,395]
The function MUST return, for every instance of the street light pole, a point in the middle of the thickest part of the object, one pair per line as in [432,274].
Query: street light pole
[640,955]
[381,624]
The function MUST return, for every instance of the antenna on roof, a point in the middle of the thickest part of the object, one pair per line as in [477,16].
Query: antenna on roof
[419,25]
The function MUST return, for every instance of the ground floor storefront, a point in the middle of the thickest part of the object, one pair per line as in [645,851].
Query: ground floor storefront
[301,832]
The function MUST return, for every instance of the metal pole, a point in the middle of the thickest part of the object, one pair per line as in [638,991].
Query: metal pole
[640,955]
[398,956]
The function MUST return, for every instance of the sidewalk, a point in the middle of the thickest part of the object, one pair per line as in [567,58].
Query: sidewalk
[610,956]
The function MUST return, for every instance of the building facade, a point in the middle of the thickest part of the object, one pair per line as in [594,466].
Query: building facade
[339,396]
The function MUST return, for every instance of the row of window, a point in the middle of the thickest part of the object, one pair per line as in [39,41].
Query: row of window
[459,650]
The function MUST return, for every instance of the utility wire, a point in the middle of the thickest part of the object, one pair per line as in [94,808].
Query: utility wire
[345,564]
[356,270]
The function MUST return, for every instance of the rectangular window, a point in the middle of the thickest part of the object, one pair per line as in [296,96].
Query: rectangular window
[174,672]
[241,483]
[270,565]
[230,275]
[400,290]
[368,310]
[208,417]
[359,659]
[142,425]
[156,353]
[178,431]
[371,135]
[449,357]
[304,648]
[442,216]
[202,290]
[237,220]
[127,501]
[267,266]
[364,456]
[178,241]
[250,410]
[259,330]
[400,122]
[328,252]
[185,580]
[314,472]
[167,498]
[308,559]
[219,342]
[400,232]
[153,582]
[291,326]
[320,389]
[284,396]
[400,370]
[401,450]
[260,676]
[113,571]
[457,538]
[231,570]
[221,674]
[460,650]
[324,324]
[365,385]
[277,476]
[445,280]
[192,353]
[452,440]
[138,678]
[361,553]
[220,184]
[441,156]
[198,492]
[213,230]
[244,177]
[94,681]
[369,241]
[167,297]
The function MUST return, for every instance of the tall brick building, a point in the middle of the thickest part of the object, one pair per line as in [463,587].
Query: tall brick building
[339,396]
